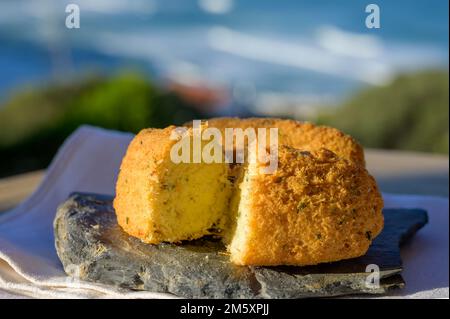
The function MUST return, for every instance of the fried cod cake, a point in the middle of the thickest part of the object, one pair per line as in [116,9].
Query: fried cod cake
[318,206]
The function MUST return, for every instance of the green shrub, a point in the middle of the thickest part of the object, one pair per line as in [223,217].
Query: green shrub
[34,123]
[411,113]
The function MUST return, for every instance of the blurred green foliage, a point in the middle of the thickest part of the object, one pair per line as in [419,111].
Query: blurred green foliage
[411,113]
[34,122]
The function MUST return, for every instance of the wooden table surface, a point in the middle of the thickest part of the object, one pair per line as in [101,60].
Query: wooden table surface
[395,171]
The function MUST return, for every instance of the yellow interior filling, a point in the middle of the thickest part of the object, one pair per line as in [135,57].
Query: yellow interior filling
[237,233]
[193,201]
[198,199]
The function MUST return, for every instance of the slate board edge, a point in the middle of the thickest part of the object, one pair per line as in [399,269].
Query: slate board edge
[382,290]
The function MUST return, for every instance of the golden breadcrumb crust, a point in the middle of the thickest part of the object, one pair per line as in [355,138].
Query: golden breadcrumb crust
[316,208]
[301,135]
[138,181]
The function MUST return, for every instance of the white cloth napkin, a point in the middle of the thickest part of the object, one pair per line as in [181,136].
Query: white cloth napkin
[89,161]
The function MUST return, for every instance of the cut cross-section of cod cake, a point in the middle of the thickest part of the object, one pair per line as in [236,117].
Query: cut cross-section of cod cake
[158,200]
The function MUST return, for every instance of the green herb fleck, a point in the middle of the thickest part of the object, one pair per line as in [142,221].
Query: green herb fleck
[231,178]
[167,186]
[301,206]
[278,179]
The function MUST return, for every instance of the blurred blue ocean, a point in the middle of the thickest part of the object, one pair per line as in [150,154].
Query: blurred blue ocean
[316,51]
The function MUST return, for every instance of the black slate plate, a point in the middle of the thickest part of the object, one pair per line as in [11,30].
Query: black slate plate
[90,243]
